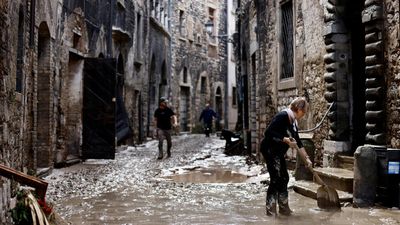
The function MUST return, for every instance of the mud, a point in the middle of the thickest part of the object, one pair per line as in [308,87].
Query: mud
[208,176]
[197,185]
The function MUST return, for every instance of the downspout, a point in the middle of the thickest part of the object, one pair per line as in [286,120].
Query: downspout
[170,48]
[226,107]
[109,41]
[238,48]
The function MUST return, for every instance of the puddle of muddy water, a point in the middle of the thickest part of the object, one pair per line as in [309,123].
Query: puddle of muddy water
[208,176]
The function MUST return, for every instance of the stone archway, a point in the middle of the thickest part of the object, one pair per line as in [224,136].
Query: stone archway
[44,101]
[218,108]
[185,100]
[152,94]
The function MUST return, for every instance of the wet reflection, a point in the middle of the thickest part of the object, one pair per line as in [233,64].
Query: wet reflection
[209,176]
[209,204]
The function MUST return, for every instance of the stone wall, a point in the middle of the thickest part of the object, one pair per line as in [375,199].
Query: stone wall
[392,53]
[202,55]
[45,43]
[12,104]
[271,97]
[330,61]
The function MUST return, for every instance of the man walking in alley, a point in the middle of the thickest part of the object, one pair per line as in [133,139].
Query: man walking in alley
[207,116]
[162,118]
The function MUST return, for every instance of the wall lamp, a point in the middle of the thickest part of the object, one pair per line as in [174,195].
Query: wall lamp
[210,30]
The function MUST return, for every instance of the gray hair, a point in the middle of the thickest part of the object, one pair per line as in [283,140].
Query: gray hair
[299,103]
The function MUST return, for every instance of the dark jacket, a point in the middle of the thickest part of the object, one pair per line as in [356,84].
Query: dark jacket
[279,128]
[207,115]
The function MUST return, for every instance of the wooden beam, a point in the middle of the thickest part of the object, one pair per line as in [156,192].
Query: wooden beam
[39,184]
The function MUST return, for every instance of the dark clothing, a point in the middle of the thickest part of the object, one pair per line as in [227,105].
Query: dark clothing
[279,128]
[161,135]
[207,115]
[274,149]
[164,118]
[164,126]
[279,179]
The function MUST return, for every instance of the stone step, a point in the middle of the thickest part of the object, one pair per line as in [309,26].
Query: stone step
[309,189]
[345,162]
[338,178]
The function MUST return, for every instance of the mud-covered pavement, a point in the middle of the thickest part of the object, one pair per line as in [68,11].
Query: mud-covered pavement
[197,185]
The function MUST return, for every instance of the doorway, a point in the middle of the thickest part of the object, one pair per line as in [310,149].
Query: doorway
[184,119]
[99,111]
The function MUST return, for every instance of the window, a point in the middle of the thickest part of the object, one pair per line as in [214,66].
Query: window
[181,22]
[211,20]
[20,52]
[185,75]
[203,85]
[234,101]
[76,38]
[138,33]
[120,16]
[212,51]
[286,41]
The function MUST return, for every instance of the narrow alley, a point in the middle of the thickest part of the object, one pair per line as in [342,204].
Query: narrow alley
[197,185]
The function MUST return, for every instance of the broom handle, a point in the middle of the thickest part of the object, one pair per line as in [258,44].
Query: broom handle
[317,178]
[303,155]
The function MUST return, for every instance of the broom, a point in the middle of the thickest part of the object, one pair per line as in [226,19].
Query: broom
[327,197]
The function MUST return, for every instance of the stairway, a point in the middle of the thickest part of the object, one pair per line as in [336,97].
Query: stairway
[339,177]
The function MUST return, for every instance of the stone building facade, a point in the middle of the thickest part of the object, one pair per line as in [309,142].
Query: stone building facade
[342,54]
[54,54]
[79,77]
[199,61]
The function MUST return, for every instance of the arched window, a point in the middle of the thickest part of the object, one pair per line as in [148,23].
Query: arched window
[20,51]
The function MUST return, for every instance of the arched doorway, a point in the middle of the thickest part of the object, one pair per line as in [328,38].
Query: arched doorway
[218,108]
[152,94]
[44,104]
[184,101]
[163,86]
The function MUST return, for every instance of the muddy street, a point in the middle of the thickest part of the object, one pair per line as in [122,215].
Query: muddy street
[197,185]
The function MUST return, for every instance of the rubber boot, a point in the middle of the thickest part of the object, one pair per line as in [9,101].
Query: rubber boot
[168,153]
[160,154]
[270,210]
[285,210]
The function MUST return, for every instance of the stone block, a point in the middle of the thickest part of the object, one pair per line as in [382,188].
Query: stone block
[365,176]
[335,28]
[336,146]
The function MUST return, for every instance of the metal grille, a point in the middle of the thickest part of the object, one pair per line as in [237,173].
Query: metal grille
[287,40]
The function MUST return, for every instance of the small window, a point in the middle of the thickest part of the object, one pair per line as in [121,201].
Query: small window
[286,40]
[185,75]
[211,16]
[234,101]
[138,33]
[76,40]
[20,52]
[181,20]
[212,51]
[203,85]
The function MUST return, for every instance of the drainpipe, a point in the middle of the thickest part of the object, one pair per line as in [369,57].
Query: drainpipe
[170,49]
[245,102]
[226,108]
[238,48]
[109,41]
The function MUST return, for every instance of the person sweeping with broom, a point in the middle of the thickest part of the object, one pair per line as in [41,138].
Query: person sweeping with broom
[281,134]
